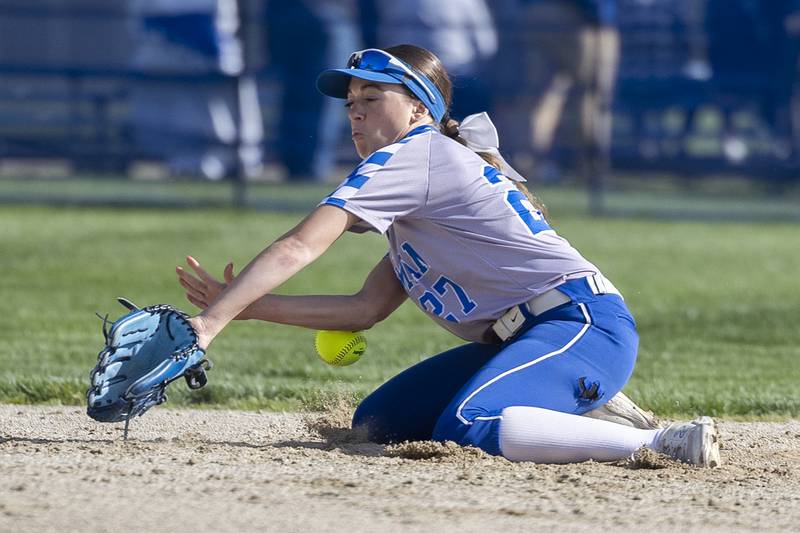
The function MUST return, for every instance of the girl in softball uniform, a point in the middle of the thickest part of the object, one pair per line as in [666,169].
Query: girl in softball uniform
[549,337]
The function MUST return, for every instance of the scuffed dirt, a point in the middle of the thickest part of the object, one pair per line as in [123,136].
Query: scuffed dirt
[332,423]
[422,450]
[195,471]
[647,458]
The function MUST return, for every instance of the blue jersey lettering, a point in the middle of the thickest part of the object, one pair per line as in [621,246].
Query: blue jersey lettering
[530,216]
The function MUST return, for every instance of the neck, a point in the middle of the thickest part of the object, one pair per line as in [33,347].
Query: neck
[427,121]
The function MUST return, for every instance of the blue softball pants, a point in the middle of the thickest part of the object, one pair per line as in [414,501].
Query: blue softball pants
[571,359]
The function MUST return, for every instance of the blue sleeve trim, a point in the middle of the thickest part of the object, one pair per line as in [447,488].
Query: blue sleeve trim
[378,158]
[338,202]
[356,181]
[416,131]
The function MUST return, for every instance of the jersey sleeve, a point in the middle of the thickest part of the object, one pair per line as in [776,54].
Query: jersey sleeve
[390,183]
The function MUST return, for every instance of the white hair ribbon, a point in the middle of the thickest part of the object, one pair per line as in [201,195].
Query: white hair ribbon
[479,133]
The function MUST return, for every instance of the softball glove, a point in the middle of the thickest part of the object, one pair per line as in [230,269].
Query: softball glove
[145,350]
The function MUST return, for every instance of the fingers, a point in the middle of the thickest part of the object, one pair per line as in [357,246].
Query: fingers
[200,271]
[189,282]
[204,288]
[202,304]
[192,288]
[196,289]
[228,273]
[193,293]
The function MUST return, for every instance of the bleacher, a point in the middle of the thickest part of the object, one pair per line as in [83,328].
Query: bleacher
[68,69]
[735,116]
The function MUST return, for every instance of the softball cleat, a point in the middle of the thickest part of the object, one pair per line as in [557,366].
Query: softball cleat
[695,442]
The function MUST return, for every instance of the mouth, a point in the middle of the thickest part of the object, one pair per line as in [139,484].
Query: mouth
[356,134]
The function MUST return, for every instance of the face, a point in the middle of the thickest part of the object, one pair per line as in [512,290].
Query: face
[380,114]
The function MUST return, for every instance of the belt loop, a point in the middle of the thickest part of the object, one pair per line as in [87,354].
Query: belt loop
[527,312]
[601,284]
[592,284]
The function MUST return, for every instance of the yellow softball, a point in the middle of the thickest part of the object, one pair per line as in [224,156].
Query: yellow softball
[340,348]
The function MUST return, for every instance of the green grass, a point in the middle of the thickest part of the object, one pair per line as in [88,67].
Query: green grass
[716,305]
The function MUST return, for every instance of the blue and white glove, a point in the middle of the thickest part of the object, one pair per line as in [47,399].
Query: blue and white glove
[145,350]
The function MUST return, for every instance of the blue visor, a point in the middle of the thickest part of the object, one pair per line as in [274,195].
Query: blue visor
[382,67]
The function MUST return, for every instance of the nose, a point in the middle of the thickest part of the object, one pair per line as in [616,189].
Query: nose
[355,113]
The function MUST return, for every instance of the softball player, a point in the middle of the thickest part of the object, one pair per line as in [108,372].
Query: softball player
[550,338]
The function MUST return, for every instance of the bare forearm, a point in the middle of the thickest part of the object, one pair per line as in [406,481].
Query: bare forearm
[280,261]
[269,269]
[346,313]
[377,299]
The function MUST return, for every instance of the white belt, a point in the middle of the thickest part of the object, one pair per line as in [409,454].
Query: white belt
[513,319]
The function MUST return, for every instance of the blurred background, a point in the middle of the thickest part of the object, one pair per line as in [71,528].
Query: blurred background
[664,136]
[678,108]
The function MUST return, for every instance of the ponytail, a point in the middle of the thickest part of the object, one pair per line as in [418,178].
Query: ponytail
[449,127]
[426,63]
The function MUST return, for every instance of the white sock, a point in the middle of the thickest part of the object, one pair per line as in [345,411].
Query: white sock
[545,436]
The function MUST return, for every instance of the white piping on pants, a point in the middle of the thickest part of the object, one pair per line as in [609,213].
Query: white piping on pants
[561,350]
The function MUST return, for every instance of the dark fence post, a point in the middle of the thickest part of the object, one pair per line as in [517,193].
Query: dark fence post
[240,175]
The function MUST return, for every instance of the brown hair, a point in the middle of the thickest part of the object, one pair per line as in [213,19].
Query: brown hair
[426,62]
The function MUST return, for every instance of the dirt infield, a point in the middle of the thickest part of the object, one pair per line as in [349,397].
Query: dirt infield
[231,471]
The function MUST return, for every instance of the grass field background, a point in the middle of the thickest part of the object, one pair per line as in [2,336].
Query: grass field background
[716,304]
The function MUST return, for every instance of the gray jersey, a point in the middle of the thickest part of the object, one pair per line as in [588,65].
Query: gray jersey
[464,242]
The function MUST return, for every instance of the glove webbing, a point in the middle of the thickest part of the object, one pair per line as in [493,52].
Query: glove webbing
[165,308]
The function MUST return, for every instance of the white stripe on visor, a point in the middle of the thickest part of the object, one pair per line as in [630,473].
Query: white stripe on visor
[356,61]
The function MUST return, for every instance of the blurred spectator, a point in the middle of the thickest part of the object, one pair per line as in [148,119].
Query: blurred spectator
[197,131]
[791,24]
[752,59]
[697,65]
[781,45]
[367,22]
[579,42]
[304,38]
[460,32]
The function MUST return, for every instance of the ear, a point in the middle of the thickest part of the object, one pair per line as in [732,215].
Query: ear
[419,111]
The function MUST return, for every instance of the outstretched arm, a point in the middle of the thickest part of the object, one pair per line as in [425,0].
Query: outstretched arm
[275,264]
[377,299]
[246,295]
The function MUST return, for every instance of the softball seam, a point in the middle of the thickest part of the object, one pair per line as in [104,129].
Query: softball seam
[347,347]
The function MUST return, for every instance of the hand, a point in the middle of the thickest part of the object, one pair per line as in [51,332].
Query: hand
[203,289]
[203,338]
